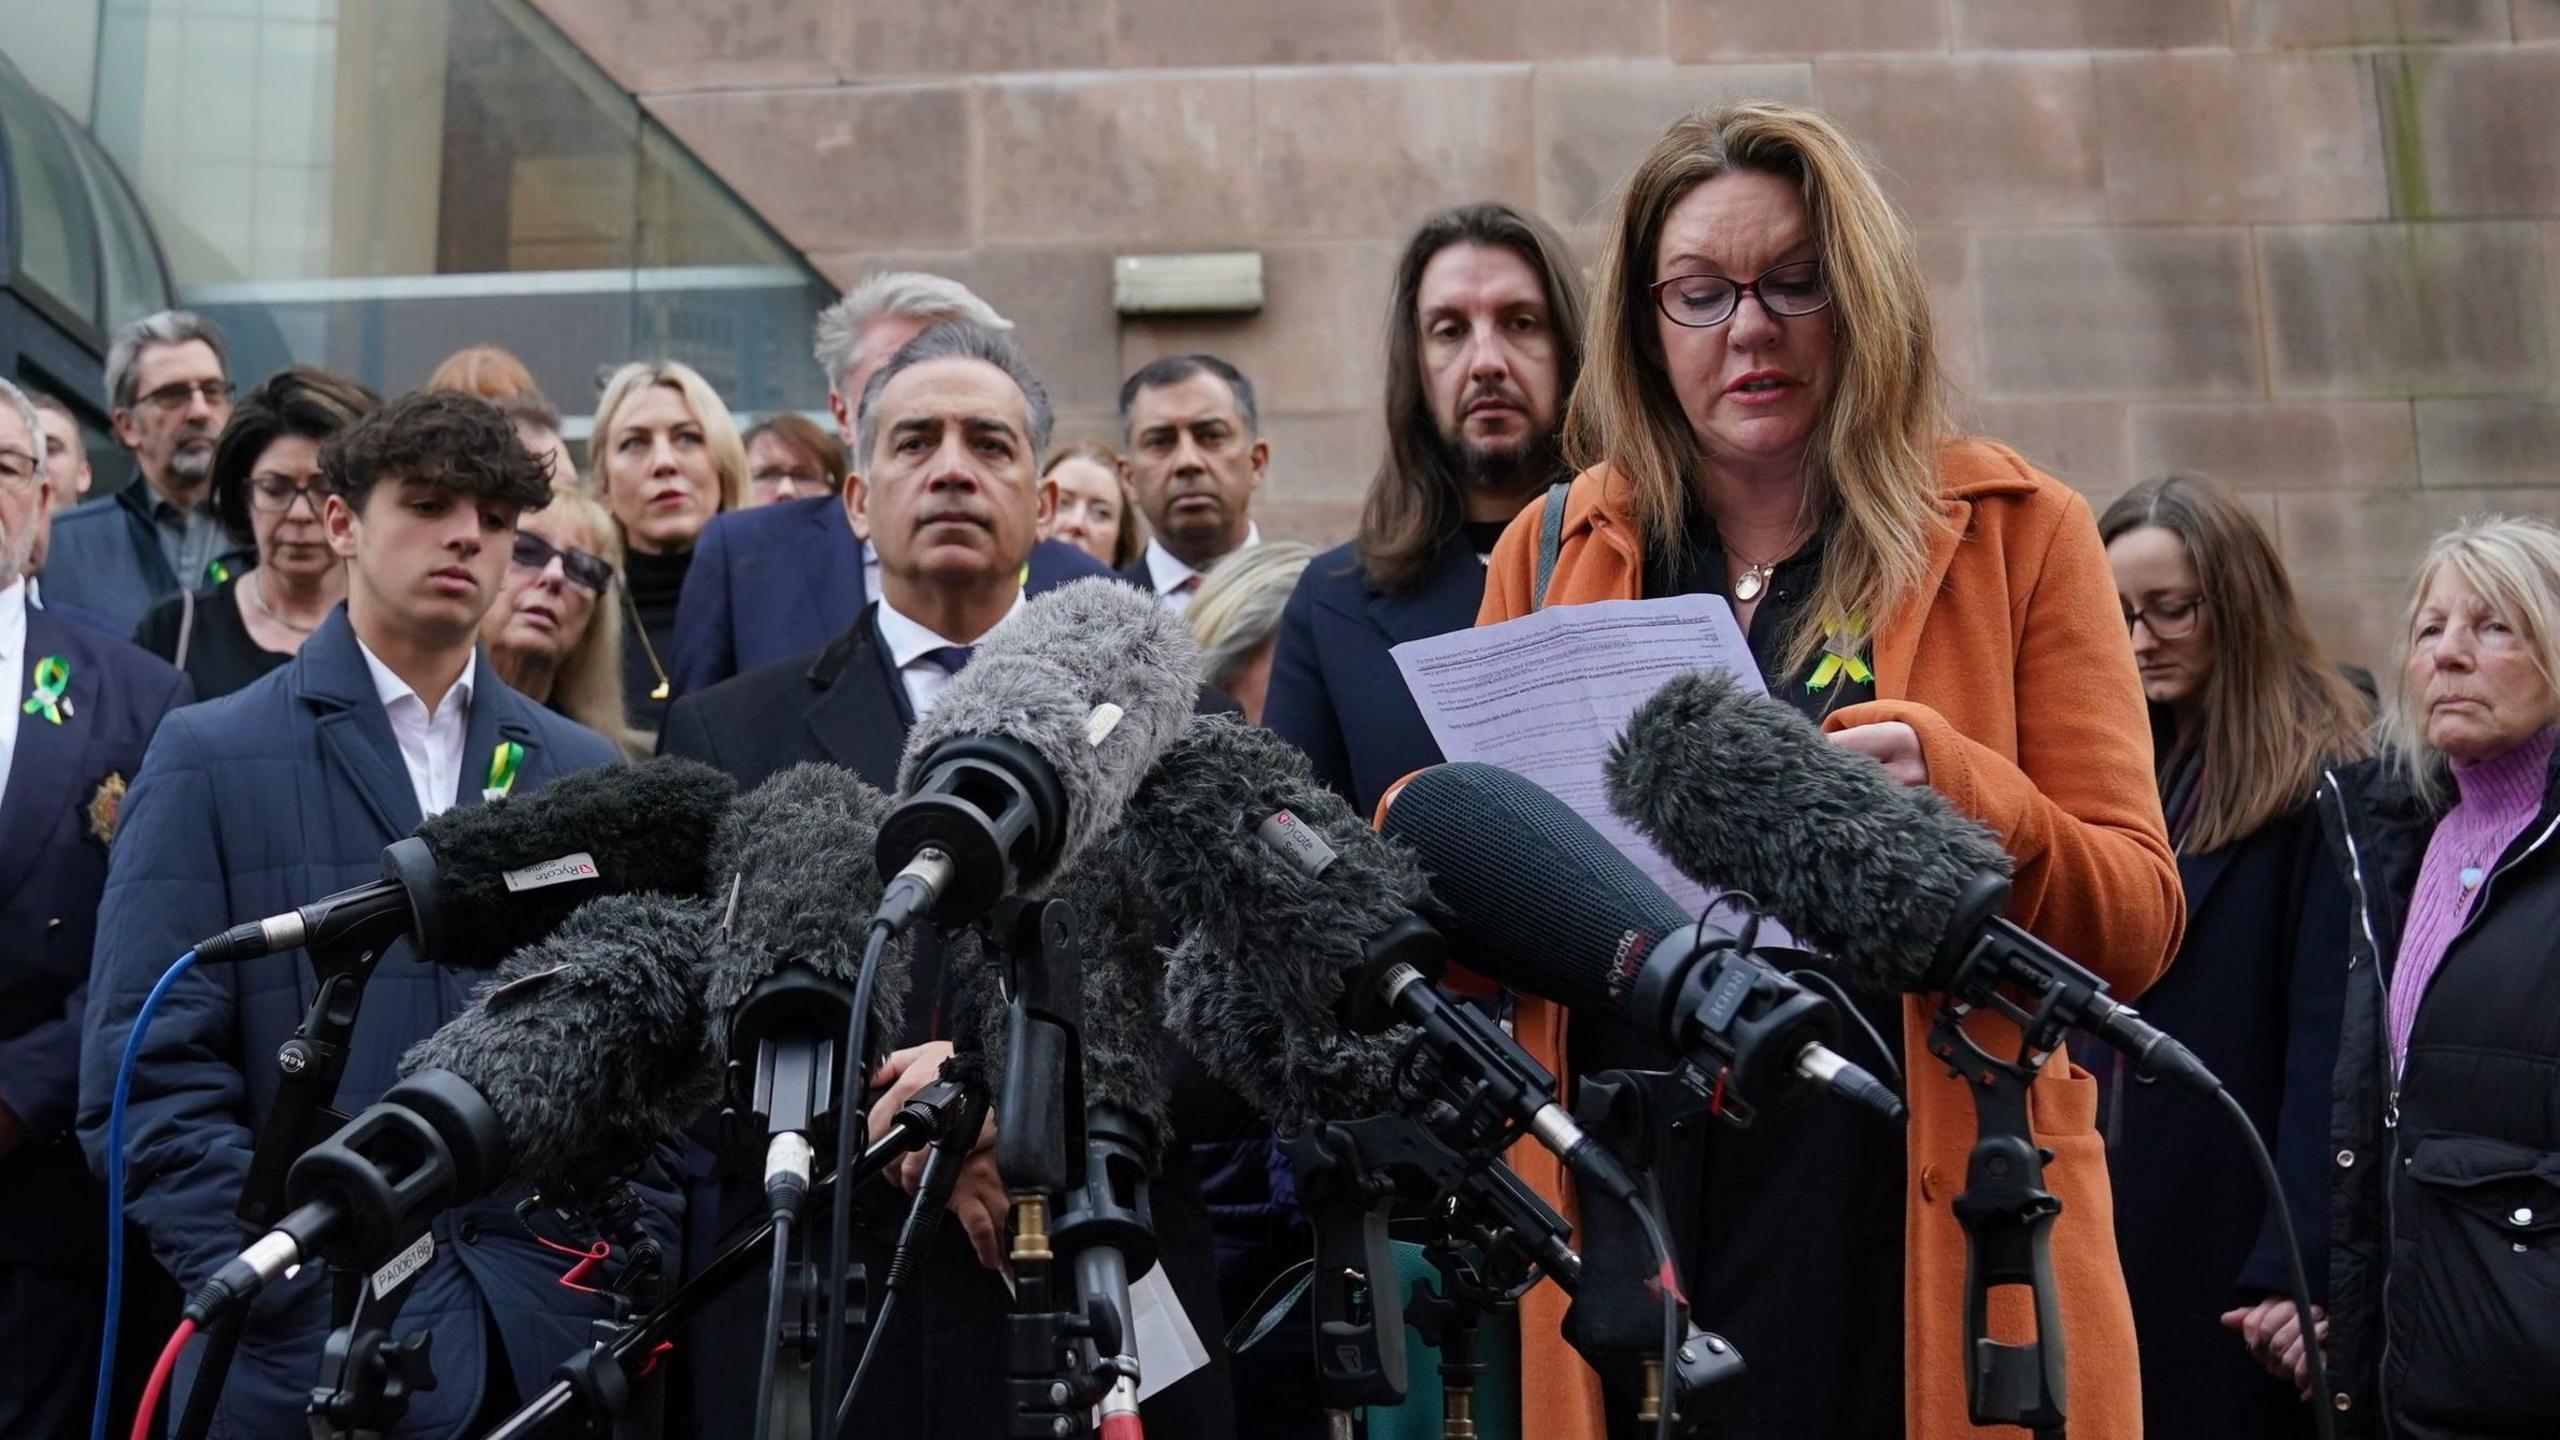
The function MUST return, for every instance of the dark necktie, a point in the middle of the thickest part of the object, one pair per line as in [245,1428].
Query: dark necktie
[952,658]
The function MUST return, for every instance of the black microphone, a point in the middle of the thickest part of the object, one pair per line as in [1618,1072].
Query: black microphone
[1030,753]
[431,1140]
[1307,968]
[793,869]
[584,1049]
[1740,791]
[1538,901]
[477,881]
[592,1044]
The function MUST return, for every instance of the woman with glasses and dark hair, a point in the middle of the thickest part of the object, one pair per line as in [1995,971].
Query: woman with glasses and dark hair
[267,493]
[1759,418]
[2246,713]
[554,634]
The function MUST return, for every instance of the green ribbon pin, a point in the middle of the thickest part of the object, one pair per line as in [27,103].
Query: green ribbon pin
[503,763]
[52,678]
[217,573]
[1840,647]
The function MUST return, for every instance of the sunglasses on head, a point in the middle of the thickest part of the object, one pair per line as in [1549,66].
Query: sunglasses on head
[535,553]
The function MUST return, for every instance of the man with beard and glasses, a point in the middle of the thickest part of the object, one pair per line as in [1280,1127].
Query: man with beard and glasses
[1482,349]
[169,378]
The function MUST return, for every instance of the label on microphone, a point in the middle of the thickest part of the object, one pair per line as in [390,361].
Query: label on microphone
[577,865]
[1099,725]
[1303,848]
[400,1267]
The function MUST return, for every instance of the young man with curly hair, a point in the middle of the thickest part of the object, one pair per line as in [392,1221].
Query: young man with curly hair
[286,791]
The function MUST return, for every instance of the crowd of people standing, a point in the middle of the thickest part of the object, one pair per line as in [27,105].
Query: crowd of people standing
[317,617]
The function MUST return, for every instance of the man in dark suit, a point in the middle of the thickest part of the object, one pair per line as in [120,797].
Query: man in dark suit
[77,706]
[286,791]
[118,555]
[948,436]
[775,581]
[1196,457]
[1484,348]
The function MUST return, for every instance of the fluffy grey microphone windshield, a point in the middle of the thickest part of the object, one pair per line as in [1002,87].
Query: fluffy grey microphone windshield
[798,849]
[1120,934]
[1038,677]
[592,1043]
[1743,793]
[1255,990]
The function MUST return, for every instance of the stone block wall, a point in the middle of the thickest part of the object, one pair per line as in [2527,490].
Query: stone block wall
[2309,246]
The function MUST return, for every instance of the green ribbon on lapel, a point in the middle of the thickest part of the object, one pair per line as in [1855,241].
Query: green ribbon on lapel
[1840,646]
[503,763]
[52,678]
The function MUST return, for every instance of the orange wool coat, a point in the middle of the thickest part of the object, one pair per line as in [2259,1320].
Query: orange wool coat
[2018,677]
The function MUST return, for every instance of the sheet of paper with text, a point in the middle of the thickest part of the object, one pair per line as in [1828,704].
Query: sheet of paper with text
[1546,695]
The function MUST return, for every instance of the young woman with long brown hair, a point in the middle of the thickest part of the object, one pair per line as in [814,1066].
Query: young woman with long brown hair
[2245,714]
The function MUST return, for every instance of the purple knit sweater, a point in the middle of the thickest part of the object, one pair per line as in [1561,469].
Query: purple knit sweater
[2499,796]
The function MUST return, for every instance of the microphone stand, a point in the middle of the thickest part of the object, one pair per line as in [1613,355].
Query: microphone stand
[597,1381]
[1069,1353]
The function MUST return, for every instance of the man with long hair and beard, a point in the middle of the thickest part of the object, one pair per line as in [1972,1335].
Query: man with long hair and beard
[1483,347]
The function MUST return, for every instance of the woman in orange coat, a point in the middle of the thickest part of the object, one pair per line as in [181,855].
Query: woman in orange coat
[1759,418]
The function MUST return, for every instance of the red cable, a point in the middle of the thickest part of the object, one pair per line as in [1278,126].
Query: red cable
[160,1379]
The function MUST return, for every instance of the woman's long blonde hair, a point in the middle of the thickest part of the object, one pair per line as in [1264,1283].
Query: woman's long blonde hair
[588,685]
[1873,458]
[2512,563]
[719,427]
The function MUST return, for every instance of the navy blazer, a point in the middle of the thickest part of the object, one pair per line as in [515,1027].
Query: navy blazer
[778,581]
[105,558]
[56,817]
[2257,992]
[249,805]
[1335,691]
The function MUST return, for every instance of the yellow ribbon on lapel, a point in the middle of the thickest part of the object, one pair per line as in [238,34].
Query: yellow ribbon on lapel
[503,763]
[52,679]
[1840,646]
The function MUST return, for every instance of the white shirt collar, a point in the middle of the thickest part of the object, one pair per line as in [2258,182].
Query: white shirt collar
[909,640]
[13,621]
[389,687]
[1168,573]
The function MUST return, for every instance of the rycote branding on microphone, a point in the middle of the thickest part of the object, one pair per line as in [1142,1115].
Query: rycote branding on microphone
[578,865]
[1302,847]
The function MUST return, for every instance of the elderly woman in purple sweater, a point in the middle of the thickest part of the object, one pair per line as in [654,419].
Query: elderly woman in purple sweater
[2444,1287]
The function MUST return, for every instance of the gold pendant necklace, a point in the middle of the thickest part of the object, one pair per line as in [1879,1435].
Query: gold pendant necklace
[1755,573]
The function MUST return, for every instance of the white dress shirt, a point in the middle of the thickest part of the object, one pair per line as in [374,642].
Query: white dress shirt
[430,743]
[1169,574]
[910,642]
[14,665]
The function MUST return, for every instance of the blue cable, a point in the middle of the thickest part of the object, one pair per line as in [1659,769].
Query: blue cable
[115,1191]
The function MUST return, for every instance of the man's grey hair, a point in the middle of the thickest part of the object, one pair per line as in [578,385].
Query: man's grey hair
[18,545]
[909,294]
[954,340]
[168,327]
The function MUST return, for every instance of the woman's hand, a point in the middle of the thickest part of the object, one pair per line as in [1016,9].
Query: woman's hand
[1889,743]
[2272,1329]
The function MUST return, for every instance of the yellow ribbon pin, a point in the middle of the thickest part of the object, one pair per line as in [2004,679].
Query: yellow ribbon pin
[503,763]
[52,678]
[1840,647]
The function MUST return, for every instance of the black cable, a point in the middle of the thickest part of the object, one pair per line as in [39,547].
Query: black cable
[854,1089]
[768,1369]
[1831,987]
[1661,1243]
[221,1342]
[2294,1274]
[933,1193]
